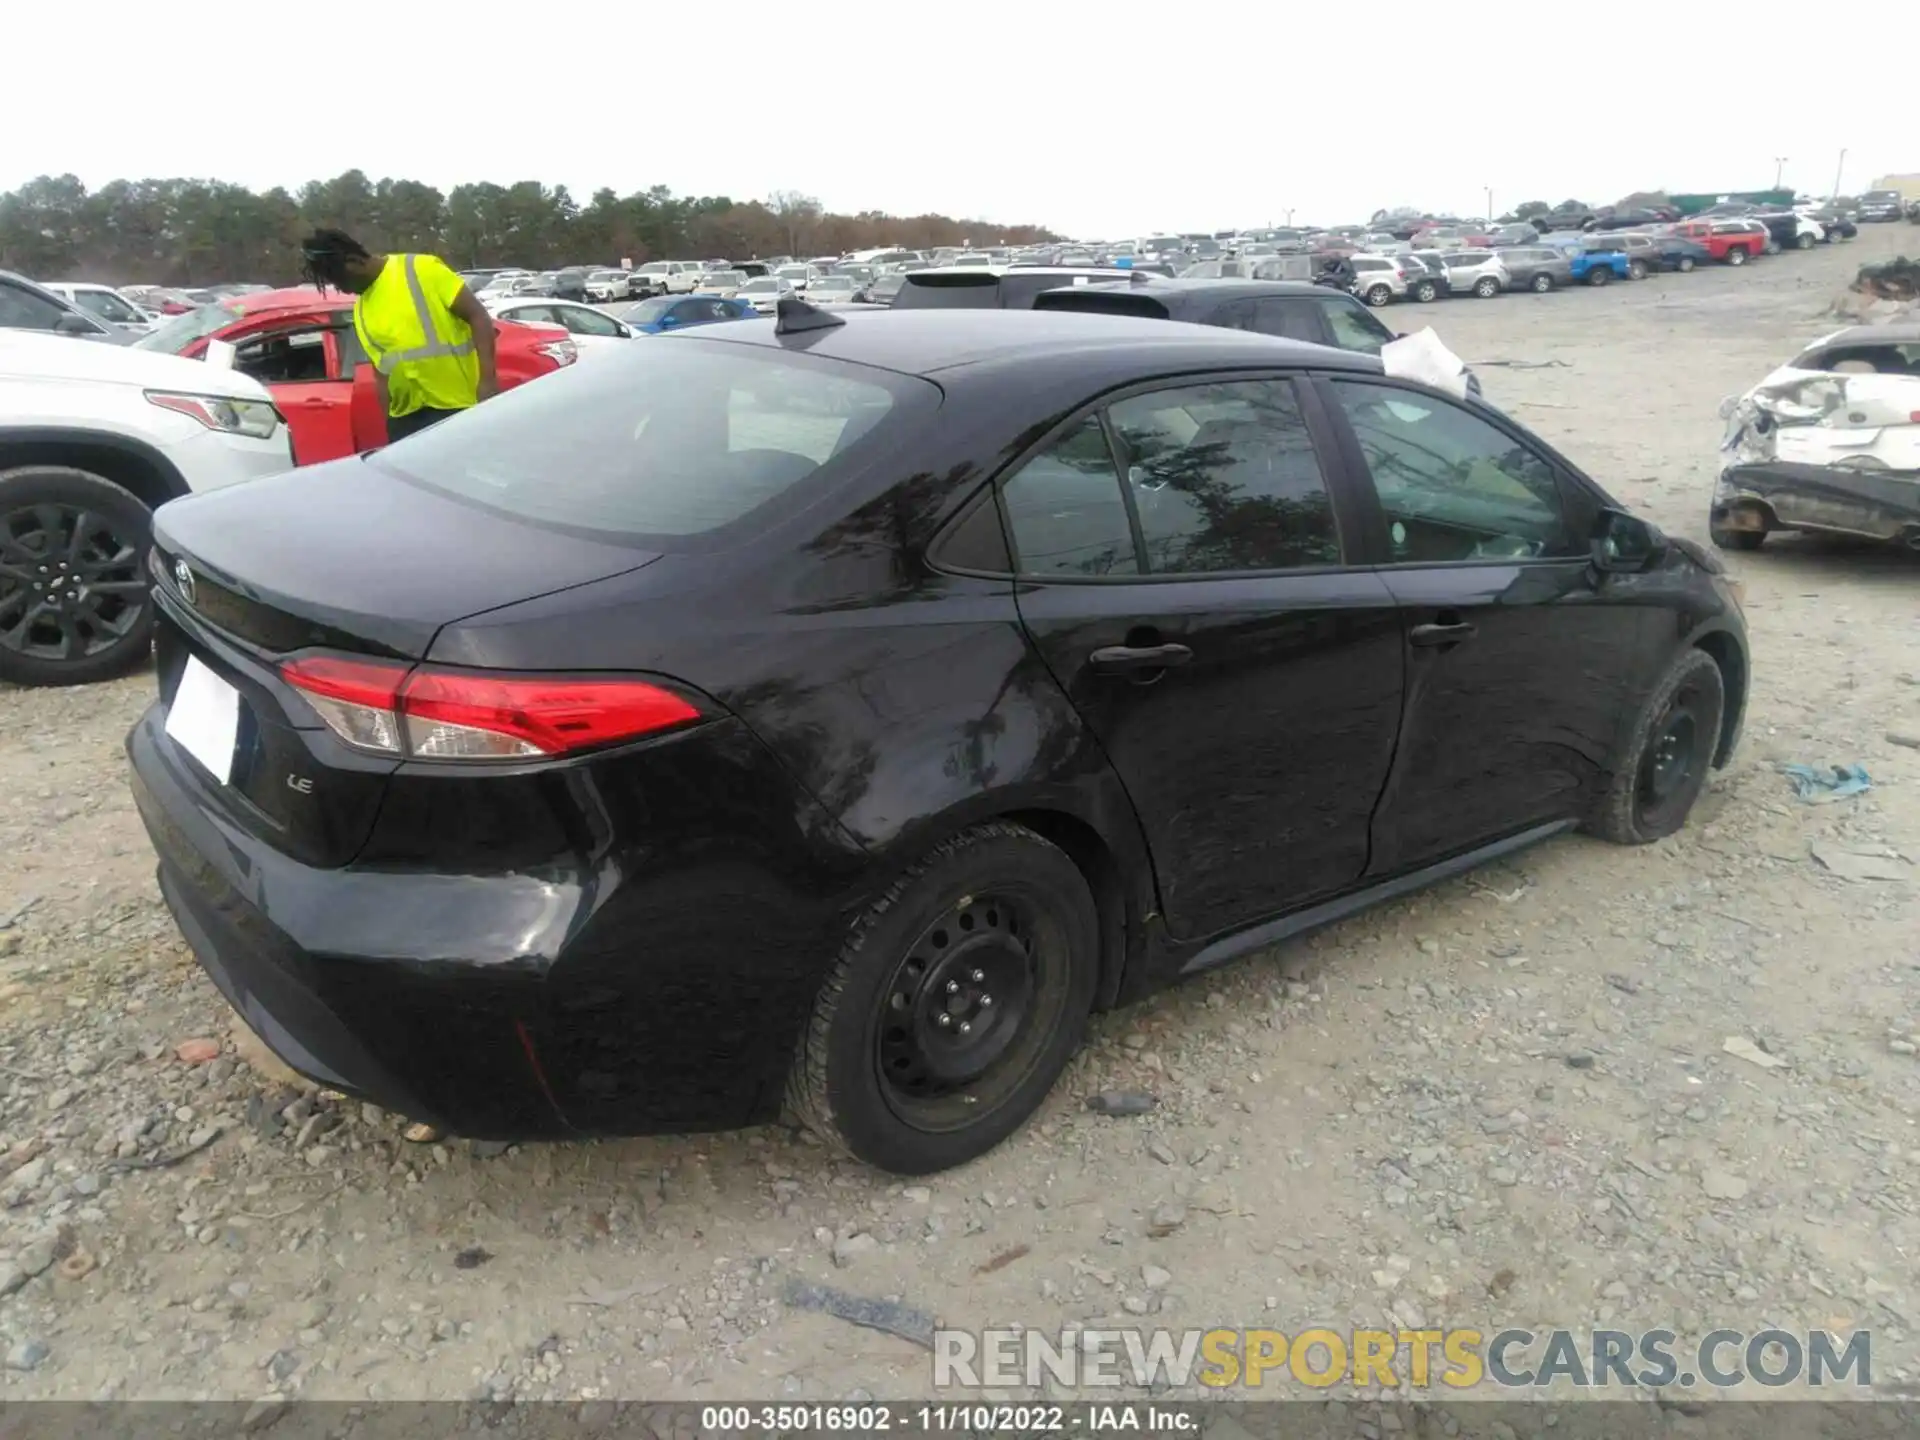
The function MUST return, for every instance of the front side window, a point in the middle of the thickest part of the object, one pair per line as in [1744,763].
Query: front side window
[24,310]
[1066,511]
[1454,487]
[1225,478]
[1353,325]
[584,320]
[108,306]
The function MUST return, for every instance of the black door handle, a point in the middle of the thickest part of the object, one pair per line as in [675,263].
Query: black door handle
[1127,659]
[1441,634]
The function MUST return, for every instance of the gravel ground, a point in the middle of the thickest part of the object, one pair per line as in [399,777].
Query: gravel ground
[1510,1100]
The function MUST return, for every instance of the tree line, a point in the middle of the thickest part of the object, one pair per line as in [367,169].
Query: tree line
[203,232]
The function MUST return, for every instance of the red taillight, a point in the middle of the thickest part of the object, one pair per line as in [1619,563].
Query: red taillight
[389,709]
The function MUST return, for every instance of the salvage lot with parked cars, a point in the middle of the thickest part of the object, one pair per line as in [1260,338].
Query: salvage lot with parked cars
[1517,1083]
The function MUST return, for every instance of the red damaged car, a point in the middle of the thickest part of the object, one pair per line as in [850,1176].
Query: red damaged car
[301,345]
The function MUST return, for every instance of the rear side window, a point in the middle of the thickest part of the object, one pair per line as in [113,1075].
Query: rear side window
[1066,510]
[674,439]
[1225,478]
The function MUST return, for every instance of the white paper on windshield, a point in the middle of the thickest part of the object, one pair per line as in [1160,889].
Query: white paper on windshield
[220,354]
[1422,358]
[204,719]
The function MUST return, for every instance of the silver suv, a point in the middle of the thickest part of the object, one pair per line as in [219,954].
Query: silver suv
[1479,271]
[1379,279]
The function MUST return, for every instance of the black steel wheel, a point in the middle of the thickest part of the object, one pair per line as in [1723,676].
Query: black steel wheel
[75,606]
[1665,764]
[958,998]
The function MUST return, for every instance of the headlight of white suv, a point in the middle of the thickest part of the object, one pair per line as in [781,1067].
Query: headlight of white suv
[254,418]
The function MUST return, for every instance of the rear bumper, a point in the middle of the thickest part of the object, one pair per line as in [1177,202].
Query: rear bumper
[1820,499]
[632,987]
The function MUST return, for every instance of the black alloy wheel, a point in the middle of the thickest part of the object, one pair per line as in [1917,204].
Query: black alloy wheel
[955,1003]
[1665,764]
[75,606]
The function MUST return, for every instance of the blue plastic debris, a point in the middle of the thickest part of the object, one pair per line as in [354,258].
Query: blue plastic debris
[1822,785]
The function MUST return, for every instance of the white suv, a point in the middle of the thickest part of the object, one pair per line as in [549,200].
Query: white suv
[92,439]
[1379,279]
[667,277]
[1480,272]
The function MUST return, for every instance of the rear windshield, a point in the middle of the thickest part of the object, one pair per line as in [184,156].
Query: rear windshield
[972,290]
[1103,300]
[674,439]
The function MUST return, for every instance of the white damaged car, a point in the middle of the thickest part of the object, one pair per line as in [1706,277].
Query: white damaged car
[1829,443]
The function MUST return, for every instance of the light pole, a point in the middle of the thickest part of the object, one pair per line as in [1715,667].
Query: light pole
[1837,171]
[1489,190]
[1779,164]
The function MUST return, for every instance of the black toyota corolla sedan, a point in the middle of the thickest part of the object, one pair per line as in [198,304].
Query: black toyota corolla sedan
[830,713]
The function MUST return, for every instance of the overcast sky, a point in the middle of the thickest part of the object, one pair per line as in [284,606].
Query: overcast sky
[1099,120]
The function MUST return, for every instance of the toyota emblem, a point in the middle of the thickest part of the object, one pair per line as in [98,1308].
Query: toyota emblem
[183,577]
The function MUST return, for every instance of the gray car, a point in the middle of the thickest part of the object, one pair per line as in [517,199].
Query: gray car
[27,306]
[1536,267]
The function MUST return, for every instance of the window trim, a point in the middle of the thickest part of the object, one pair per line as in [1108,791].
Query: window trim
[1580,497]
[1345,496]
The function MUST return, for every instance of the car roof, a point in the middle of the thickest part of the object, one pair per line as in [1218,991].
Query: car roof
[1900,332]
[929,342]
[297,297]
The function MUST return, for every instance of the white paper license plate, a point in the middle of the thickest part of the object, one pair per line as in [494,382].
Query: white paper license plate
[204,719]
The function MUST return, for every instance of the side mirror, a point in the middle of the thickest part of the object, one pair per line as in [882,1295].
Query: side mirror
[70,323]
[1625,544]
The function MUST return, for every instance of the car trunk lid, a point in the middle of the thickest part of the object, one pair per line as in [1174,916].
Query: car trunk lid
[239,598]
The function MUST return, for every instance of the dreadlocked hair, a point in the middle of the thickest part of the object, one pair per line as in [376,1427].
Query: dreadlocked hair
[324,252]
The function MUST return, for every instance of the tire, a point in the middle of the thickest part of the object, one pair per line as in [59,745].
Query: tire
[1426,292]
[1636,269]
[1728,539]
[1019,900]
[1803,242]
[83,525]
[1737,255]
[1379,295]
[1665,763]
[1486,287]
[1541,283]
[1684,264]
[1600,275]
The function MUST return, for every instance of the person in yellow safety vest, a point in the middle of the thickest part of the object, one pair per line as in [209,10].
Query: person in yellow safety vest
[430,341]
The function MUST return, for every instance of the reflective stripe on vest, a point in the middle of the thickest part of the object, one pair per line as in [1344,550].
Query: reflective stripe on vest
[435,347]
